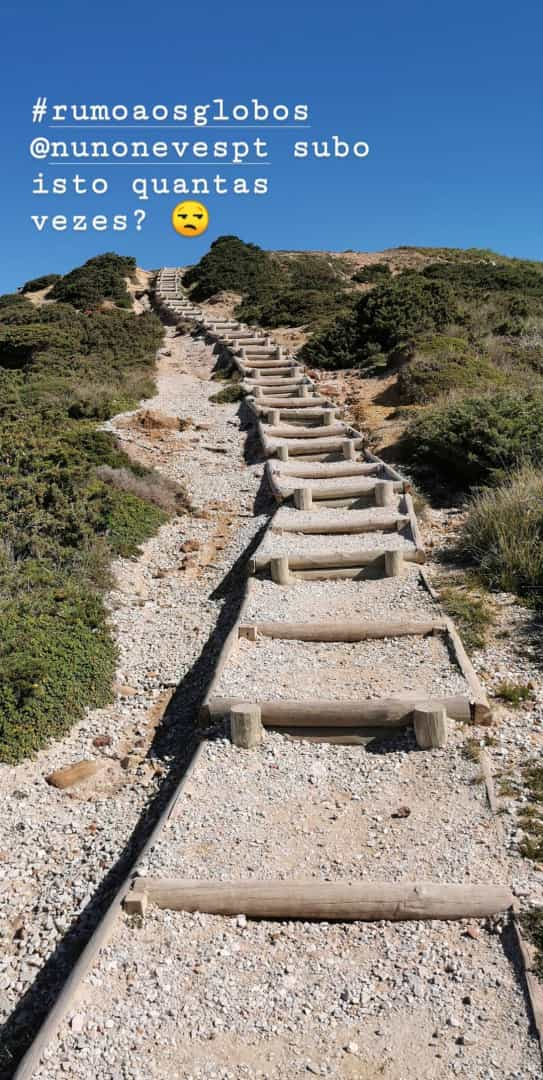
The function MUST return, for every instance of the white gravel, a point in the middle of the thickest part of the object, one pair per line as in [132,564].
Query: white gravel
[200,997]
[272,669]
[275,544]
[396,597]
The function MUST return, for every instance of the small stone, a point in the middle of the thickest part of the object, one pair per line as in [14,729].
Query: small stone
[77,1023]
[102,740]
[352,1048]
[241,921]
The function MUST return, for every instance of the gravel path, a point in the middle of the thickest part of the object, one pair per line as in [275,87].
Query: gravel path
[396,597]
[339,671]
[197,997]
[307,543]
[163,611]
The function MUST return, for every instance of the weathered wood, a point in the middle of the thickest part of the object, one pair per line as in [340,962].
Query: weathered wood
[415,531]
[354,522]
[394,562]
[333,558]
[100,937]
[303,498]
[430,726]
[344,630]
[346,901]
[274,417]
[304,446]
[393,712]
[246,729]
[384,493]
[279,570]
[346,489]
[69,775]
[329,471]
[348,450]
[392,474]
[284,403]
[289,431]
[483,711]
[282,453]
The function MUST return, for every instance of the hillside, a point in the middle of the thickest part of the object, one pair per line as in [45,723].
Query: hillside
[436,352]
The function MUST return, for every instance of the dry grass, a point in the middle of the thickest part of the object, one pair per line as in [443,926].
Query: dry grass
[503,533]
[152,488]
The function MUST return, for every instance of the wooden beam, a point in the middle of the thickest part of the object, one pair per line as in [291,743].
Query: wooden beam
[345,901]
[344,630]
[393,712]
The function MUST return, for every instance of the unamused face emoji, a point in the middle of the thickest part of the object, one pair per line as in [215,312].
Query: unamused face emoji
[190,218]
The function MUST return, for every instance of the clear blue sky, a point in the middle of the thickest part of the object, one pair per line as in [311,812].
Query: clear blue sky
[449,96]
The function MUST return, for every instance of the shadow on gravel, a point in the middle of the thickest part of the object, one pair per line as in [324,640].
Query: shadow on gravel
[510,947]
[177,738]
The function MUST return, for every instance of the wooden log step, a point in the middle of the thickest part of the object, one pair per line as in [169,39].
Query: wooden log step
[287,431]
[333,559]
[295,402]
[356,521]
[302,446]
[325,471]
[270,365]
[393,712]
[344,630]
[278,383]
[344,901]
[350,487]
[313,416]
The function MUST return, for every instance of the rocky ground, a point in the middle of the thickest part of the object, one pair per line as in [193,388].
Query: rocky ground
[198,997]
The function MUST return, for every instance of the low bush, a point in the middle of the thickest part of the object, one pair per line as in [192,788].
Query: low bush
[101,278]
[443,364]
[384,325]
[228,396]
[375,273]
[42,282]
[56,659]
[475,440]
[61,523]
[503,534]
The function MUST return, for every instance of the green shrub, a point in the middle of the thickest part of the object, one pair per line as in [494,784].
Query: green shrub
[278,289]
[128,521]
[228,396]
[503,534]
[60,523]
[231,264]
[375,273]
[101,278]
[473,440]
[385,323]
[40,282]
[56,659]
[442,364]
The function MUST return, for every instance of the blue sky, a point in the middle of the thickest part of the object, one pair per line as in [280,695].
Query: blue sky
[448,96]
